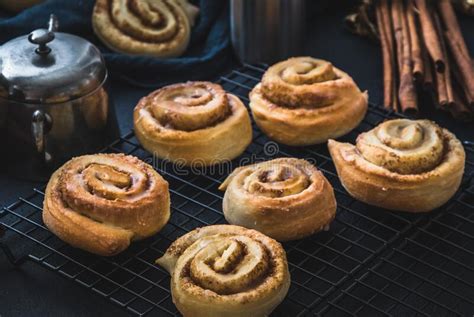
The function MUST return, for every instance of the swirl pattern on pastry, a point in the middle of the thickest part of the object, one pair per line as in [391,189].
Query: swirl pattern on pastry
[226,270]
[146,27]
[100,203]
[303,101]
[407,165]
[285,198]
[194,122]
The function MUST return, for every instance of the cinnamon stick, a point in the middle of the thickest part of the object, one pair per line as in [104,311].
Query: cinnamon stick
[463,90]
[428,79]
[397,30]
[387,50]
[442,94]
[395,101]
[464,64]
[387,21]
[452,25]
[406,92]
[430,35]
[417,60]
[446,75]
[459,110]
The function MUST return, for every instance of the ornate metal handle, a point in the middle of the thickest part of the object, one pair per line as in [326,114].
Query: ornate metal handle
[37,128]
[40,124]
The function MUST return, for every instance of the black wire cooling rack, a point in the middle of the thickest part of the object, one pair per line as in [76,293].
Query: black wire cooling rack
[371,261]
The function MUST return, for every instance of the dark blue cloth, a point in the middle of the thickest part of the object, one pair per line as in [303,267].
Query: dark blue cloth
[208,52]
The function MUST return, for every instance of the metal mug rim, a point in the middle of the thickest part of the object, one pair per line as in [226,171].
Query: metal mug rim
[25,102]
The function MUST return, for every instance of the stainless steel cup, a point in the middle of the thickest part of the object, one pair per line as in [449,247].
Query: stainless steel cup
[267,30]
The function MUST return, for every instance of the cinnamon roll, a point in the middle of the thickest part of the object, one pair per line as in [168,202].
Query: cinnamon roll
[226,270]
[303,101]
[100,203]
[158,28]
[285,198]
[407,165]
[195,123]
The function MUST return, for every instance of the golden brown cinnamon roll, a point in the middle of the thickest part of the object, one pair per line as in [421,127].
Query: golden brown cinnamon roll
[159,28]
[407,165]
[303,101]
[226,270]
[194,122]
[285,198]
[100,203]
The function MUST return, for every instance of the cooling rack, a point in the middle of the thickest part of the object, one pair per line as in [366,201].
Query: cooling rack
[370,262]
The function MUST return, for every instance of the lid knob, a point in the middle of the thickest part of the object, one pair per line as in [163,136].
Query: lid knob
[42,37]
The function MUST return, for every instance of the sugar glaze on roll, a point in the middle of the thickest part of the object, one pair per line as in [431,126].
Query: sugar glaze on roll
[101,203]
[285,198]
[226,271]
[195,123]
[304,101]
[407,165]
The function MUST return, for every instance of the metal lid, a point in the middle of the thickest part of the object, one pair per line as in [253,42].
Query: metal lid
[49,67]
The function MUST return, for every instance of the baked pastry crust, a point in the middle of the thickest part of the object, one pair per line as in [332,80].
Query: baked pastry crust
[226,270]
[406,165]
[285,198]
[160,28]
[194,123]
[102,202]
[303,101]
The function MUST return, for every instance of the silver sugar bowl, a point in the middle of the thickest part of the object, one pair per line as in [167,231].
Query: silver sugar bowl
[54,102]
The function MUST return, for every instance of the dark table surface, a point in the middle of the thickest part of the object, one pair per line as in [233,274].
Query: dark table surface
[34,291]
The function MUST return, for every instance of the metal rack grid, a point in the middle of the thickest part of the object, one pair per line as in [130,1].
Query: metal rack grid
[370,262]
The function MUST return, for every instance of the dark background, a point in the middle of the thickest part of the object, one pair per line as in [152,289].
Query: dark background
[34,291]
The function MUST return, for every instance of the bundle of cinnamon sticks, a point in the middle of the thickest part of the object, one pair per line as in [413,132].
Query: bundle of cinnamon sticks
[424,51]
